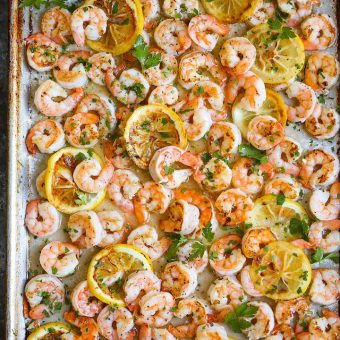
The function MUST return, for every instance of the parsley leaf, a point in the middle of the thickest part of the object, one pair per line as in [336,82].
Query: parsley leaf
[208,233]
[45,3]
[235,319]
[79,157]
[142,53]
[137,88]
[198,250]
[168,170]
[205,157]
[246,150]
[82,198]
[318,256]
[298,226]
[176,242]
[280,198]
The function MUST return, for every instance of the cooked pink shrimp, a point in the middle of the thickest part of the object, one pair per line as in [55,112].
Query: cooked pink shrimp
[116,153]
[211,331]
[284,184]
[165,94]
[84,302]
[95,20]
[180,9]
[204,30]
[152,333]
[100,63]
[247,283]
[55,24]
[151,11]
[59,258]
[264,10]
[45,295]
[92,177]
[42,218]
[42,52]
[88,327]
[47,91]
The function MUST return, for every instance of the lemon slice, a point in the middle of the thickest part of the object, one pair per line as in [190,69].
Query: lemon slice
[61,190]
[50,330]
[268,214]
[273,106]
[281,271]
[124,25]
[108,267]
[150,128]
[230,11]
[277,60]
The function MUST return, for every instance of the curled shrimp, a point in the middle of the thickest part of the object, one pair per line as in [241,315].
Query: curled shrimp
[253,87]
[326,235]
[318,32]
[146,239]
[172,36]
[123,187]
[55,24]
[45,296]
[233,206]
[116,153]
[84,302]
[100,63]
[283,184]
[151,11]
[46,135]
[152,333]
[211,331]
[247,283]
[95,20]
[42,218]
[179,279]
[165,94]
[264,10]
[319,169]
[237,55]
[49,90]
[225,257]
[87,326]
[90,176]
[42,52]
[179,8]
[255,239]
[205,30]
[59,258]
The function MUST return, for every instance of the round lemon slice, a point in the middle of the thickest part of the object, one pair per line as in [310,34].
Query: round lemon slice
[125,23]
[61,190]
[230,11]
[281,271]
[273,106]
[108,267]
[267,213]
[150,128]
[280,54]
[50,330]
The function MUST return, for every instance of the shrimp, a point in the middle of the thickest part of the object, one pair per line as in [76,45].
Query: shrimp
[91,177]
[146,239]
[166,95]
[318,32]
[247,283]
[151,333]
[156,309]
[115,152]
[45,296]
[319,169]
[42,52]
[281,332]
[253,87]
[194,309]
[283,184]
[224,138]
[138,284]
[224,292]
[95,20]
[224,256]
[326,235]
[262,323]
[85,229]
[40,184]
[165,72]
[321,71]
[186,252]
[200,66]
[205,30]
[70,69]
[123,187]
[284,156]
[116,323]
[180,9]
[172,36]
[42,218]
[162,166]
[152,197]
[46,135]
[211,331]
[99,64]
[323,123]
[151,12]
[47,91]
[183,218]
[265,132]
[233,206]
[325,287]
[264,10]
[87,326]
[55,24]
[179,279]
[131,87]
[84,302]
[59,258]
[237,55]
